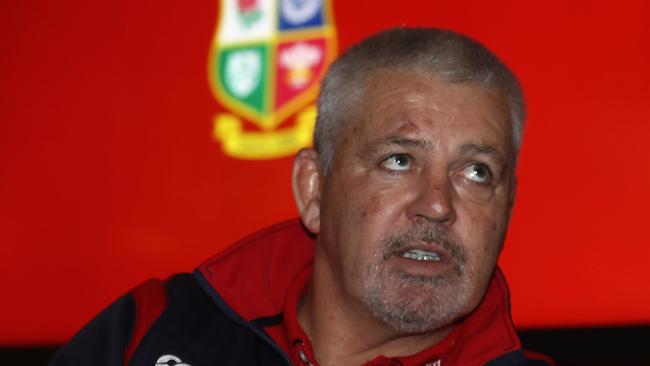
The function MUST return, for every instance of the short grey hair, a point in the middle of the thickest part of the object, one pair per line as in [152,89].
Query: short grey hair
[450,56]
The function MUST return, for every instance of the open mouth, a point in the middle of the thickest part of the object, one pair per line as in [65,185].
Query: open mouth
[421,255]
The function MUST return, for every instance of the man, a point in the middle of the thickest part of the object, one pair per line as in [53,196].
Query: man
[404,204]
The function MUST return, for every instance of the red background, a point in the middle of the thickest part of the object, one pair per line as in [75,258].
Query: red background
[109,174]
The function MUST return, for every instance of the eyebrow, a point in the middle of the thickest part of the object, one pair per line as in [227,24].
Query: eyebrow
[407,142]
[379,144]
[483,149]
[468,148]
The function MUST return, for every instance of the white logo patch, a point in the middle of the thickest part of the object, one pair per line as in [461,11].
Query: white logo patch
[170,360]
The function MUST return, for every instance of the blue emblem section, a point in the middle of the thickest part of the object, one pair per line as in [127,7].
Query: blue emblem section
[300,14]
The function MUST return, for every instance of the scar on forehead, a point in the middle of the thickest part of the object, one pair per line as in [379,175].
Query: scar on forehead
[407,126]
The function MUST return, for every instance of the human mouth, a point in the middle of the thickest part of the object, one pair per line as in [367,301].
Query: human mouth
[429,261]
[421,255]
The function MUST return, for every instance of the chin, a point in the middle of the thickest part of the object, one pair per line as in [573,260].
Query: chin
[416,304]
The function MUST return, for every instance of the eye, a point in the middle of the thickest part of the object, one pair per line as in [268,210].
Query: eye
[478,173]
[397,162]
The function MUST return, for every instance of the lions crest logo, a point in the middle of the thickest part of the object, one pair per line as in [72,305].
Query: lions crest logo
[265,65]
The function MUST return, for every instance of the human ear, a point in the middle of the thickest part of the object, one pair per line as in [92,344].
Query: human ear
[305,183]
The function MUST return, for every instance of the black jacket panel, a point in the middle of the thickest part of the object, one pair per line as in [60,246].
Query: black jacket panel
[102,341]
[193,329]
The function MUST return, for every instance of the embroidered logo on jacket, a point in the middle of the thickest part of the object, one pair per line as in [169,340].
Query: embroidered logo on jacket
[170,360]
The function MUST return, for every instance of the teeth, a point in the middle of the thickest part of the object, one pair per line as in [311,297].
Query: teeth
[421,255]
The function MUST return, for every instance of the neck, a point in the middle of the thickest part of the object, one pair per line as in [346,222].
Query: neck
[343,332]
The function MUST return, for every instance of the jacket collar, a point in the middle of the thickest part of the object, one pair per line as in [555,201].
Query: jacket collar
[254,277]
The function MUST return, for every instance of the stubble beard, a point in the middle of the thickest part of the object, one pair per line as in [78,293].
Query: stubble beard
[415,303]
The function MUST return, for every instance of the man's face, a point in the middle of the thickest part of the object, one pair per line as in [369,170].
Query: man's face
[415,208]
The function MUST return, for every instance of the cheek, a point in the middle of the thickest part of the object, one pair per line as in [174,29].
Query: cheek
[369,218]
[367,199]
[383,208]
[370,209]
[483,240]
[483,252]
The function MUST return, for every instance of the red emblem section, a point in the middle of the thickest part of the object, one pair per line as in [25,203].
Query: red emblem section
[299,66]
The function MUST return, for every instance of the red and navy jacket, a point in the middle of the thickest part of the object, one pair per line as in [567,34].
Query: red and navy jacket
[239,308]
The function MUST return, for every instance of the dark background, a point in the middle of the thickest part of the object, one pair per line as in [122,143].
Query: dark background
[625,346]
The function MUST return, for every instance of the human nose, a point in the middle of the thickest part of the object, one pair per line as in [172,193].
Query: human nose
[433,201]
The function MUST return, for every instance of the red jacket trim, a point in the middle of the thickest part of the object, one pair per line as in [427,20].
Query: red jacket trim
[253,278]
[150,301]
